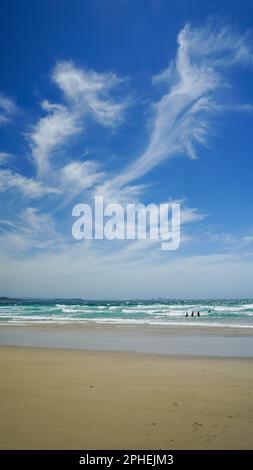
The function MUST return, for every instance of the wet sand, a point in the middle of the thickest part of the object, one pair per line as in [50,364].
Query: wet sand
[67,399]
[180,341]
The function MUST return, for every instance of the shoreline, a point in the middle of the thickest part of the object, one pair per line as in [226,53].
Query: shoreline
[133,354]
[171,329]
[159,341]
[72,399]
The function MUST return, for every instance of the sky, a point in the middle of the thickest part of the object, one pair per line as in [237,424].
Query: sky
[140,101]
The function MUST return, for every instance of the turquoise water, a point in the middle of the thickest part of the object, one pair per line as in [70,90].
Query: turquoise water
[223,313]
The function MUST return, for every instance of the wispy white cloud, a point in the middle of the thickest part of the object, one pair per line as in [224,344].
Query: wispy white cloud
[244,107]
[78,176]
[248,239]
[5,157]
[50,132]
[112,192]
[86,94]
[91,92]
[28,187]
[182,116]
[33,230]
[181,119]
[39,229]
[7,108]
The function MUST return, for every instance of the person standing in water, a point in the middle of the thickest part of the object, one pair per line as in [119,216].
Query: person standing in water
[192,315]
[198,314]
[186,315]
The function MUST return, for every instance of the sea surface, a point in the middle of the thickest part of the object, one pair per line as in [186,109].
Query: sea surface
[213,313]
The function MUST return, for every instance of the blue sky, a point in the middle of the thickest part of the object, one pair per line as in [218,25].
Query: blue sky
[141,101]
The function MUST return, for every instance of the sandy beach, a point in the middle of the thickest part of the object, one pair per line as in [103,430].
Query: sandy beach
[59,399]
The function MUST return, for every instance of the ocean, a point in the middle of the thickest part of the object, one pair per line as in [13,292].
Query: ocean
[213,313]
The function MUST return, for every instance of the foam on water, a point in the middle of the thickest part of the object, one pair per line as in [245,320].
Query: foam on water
[213,313]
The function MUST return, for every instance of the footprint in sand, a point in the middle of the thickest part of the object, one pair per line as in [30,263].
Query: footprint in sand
[209,438]
[197,426]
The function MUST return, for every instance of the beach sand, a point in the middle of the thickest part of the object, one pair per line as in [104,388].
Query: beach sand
[67,399]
